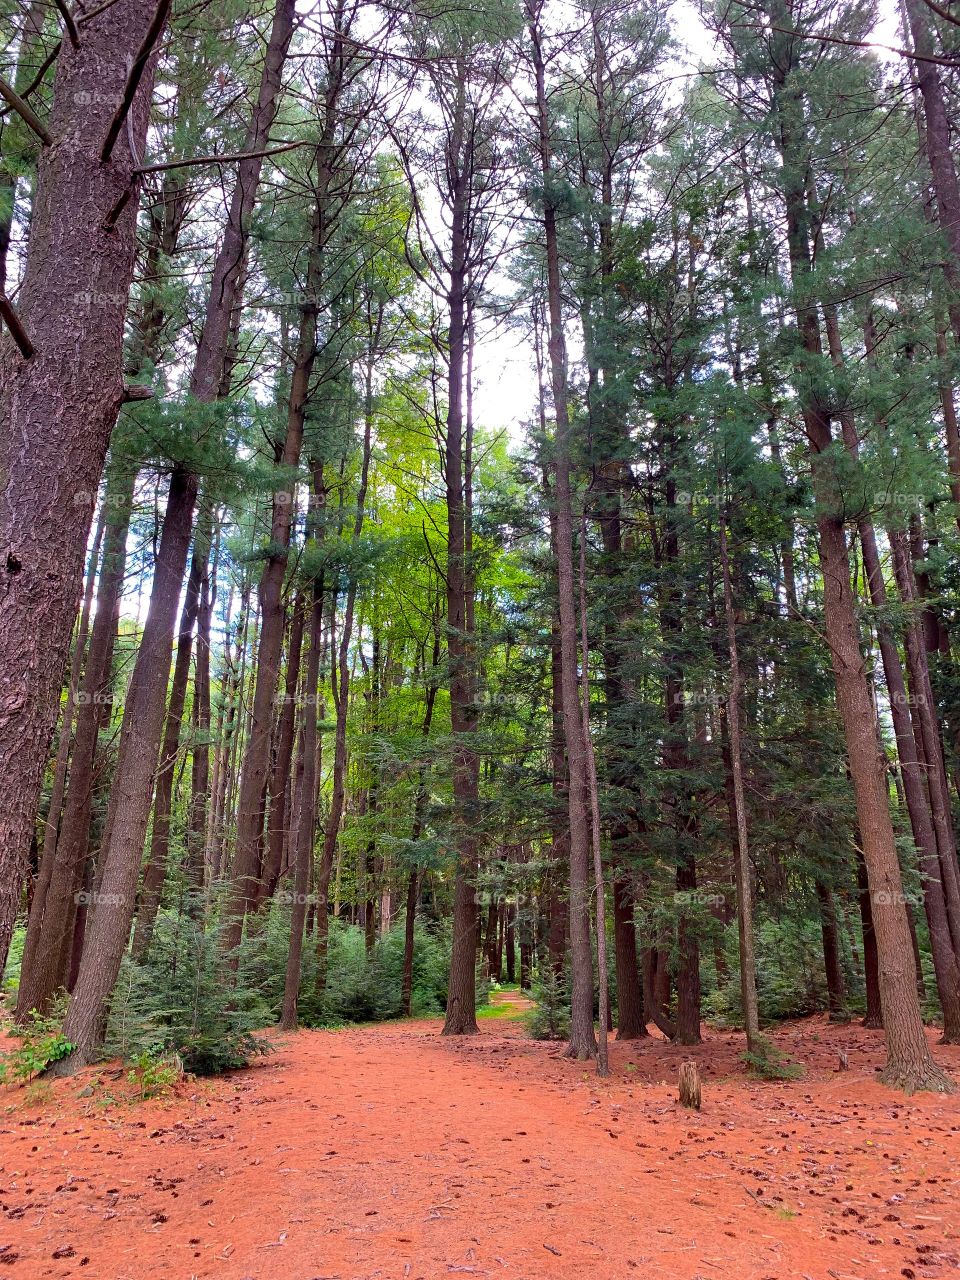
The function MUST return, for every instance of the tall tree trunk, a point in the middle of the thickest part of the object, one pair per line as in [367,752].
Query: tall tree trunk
[58,788]
[925,801]
[909,1063]
[936,140]
[631,1024]
[741,865]
[245,872]
[59,405]
[409,925]
[836,995]
[306,826]
[461,1017]
[873,1016]
[155,872]
[129,807]
[582,1043]
[510,941]
[278,815]
[200,750]
[50,929]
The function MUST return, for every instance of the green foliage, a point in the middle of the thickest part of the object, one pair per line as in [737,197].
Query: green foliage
[11,974]
[359,987]
[767,1062]
[790,978]
[41,1045]
[154,1074]
[180,1003]
[549,1019]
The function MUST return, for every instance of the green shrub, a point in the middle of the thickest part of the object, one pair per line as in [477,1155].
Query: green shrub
[359,987]
[767,1062]
[181,1003]
[549,1019]
[790,978]
[154,1074]
[41,1045]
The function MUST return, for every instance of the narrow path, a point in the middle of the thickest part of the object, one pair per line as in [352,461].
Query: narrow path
[511,998]
[387,1151]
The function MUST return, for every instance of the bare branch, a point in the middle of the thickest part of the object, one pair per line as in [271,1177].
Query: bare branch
[134,77]
[135,391]
[17,331]
[942,13]
[25,112]
[68,22]
[822,38]
[233,158]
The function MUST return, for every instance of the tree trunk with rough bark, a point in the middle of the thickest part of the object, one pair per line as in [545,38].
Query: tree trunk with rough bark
[59,405]
[50,933]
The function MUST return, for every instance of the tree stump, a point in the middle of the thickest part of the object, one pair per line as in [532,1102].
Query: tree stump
[690,1084]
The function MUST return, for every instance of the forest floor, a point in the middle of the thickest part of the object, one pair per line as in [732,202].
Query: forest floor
[386,1151]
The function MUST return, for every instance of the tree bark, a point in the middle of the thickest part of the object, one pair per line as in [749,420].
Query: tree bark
[278,814]
[50,930]
[59,406]
[52,827]
[741,852]
[306,826]
[631,1024]
[245,872]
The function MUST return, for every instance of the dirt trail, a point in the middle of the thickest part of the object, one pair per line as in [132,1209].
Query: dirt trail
[511,998]
[390,1152]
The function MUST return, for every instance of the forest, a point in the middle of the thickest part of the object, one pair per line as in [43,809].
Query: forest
[480,589]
